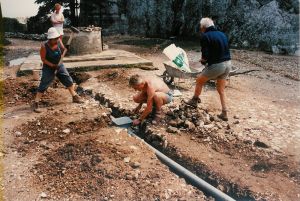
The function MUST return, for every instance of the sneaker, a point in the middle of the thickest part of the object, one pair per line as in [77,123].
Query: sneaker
[223,115]
[77,99]
[35,107]
[193,102]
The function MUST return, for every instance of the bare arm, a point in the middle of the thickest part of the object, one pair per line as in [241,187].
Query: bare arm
[43,57]
[138,108]
[62,18]
[61,45]
[53,21]
[148,109]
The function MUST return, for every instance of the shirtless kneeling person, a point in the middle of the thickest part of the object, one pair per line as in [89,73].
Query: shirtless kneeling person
[152,91]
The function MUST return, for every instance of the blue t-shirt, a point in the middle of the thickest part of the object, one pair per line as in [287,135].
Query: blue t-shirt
[215,48]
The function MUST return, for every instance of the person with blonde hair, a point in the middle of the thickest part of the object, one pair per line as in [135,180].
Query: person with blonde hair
[216,55]
[57,19]
[152,91]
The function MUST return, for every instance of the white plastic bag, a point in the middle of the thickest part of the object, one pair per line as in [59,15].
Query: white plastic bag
[178,57]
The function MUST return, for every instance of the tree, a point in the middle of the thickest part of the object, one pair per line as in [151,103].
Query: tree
[13,25]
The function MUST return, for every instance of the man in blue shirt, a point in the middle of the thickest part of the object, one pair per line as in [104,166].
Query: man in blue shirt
[216,57]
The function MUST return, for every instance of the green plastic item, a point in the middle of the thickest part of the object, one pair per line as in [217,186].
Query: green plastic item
[179,60]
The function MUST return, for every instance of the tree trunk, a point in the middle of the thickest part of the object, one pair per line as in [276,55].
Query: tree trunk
[72,10]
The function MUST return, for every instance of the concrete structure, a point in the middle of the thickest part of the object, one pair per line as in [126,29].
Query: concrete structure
[105,59]
[87,41]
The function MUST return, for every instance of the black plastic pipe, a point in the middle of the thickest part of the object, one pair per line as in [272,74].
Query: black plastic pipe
[198,182]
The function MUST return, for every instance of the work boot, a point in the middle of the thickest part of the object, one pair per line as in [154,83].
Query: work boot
[223,115]
[35,107]
[77,99]
[193,102]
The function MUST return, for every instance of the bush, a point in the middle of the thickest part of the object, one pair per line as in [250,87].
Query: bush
[38,24]
[13,25]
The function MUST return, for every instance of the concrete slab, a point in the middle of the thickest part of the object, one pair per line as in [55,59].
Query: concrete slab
[95,57]
[33,62]
[90,62]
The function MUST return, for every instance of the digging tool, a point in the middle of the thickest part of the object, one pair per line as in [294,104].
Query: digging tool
[73,31]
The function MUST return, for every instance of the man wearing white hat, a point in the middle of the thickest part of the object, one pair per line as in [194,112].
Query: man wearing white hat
[57,20]
[50,53]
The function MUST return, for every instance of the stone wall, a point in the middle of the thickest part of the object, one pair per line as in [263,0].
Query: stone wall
[264,24]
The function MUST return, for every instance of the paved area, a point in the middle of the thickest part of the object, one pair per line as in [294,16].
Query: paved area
[105,59]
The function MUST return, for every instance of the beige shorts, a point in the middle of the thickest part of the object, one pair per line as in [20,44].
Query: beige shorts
[217,71]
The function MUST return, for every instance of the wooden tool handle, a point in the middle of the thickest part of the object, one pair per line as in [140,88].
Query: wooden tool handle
[65,51]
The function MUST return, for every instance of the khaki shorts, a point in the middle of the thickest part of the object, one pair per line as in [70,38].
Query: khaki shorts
[217,71]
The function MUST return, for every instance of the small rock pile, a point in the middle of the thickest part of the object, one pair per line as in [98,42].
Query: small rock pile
[187,118]
[36,37]
[115,109]
[80,77]
[90,28]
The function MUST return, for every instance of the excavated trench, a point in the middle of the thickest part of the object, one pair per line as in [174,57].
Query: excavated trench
[154,139]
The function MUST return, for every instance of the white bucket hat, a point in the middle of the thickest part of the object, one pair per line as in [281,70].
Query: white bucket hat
[52,33]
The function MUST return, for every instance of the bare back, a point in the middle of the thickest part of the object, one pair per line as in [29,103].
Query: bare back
[156,84]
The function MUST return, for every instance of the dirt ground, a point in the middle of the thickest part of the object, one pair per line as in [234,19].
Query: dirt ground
[71,152]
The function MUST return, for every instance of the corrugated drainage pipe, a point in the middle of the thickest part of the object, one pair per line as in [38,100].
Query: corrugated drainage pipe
[200,183]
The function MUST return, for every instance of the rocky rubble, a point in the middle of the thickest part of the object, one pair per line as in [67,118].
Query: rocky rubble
[80,77]
[89,28]
[186,118]
[49,129]
[36,37]
[43,37]
[18,91]
[181,118]
[199,123]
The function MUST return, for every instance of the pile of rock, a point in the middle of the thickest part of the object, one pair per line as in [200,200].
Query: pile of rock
[117,110]
[37,37]
[197,121]
[90,28]
[187,118]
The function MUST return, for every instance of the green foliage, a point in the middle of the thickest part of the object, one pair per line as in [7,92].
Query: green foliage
[13,25]
[38,24]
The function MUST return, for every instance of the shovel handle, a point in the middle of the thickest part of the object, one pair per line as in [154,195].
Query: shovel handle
[65,51]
